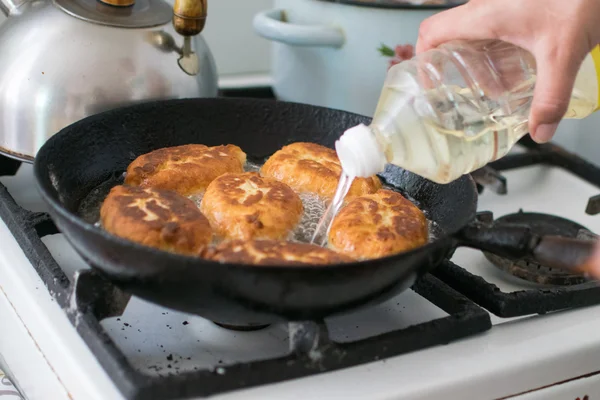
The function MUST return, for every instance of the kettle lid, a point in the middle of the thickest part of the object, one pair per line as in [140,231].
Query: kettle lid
[119,13]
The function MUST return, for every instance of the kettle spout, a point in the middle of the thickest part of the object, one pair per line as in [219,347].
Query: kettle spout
[11,7]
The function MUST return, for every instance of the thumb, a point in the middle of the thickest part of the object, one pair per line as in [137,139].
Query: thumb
[556,74]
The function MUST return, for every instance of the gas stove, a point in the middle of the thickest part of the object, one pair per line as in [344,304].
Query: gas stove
[477,327]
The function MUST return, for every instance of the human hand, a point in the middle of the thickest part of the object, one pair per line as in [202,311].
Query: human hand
[559,34]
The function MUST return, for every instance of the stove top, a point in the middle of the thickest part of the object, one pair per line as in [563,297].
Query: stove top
[85,339]
[151,352]
[535,288]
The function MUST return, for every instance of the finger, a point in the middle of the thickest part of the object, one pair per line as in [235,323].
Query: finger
[469,22]
[556,72]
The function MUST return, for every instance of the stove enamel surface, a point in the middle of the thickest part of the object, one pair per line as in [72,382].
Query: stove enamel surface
[532,356]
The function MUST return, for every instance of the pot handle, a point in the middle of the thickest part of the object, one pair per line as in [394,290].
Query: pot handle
[517,241]
[272,25]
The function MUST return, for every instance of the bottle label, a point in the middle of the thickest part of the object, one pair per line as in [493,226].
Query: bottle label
[596,57]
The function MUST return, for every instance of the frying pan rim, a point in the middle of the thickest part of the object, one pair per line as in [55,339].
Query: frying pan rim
[80,223]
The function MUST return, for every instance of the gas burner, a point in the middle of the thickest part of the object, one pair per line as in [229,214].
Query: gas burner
[242,328]
[541,224]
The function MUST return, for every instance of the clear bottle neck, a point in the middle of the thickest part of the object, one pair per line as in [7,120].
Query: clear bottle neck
[360,152]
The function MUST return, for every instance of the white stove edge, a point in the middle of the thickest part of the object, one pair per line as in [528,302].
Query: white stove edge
[50,361]
[61,364]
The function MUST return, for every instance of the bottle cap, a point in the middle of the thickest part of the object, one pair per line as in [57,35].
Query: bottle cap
[359,152]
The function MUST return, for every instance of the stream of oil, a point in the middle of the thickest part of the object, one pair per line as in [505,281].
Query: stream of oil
[319,236]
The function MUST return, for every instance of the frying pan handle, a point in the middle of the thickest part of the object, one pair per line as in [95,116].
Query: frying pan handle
[517,241]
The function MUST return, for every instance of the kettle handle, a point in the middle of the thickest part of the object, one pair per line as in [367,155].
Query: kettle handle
[272,25]
[189,16]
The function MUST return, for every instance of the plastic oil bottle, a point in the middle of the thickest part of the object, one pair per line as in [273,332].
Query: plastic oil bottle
[453,109]
[450,111]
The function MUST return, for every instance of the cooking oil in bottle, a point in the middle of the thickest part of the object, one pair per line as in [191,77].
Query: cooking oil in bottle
[451,110]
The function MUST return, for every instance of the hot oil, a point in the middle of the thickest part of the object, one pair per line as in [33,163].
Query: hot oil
[197,199]
[312,228]
[314,208]
[89,208]
[252,166]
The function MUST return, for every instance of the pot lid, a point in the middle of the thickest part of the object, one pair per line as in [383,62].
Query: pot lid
[119,13]
[406,4]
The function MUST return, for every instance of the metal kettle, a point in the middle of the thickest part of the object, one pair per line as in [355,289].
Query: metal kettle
[63,60]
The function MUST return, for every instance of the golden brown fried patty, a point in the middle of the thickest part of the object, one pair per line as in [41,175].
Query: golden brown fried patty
[156,218]
[273,252]
[311,168]
[187,169]
[378,225]
[248,206]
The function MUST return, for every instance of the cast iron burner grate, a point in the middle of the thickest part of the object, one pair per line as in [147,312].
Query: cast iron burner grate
[91,298]
[570,291]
